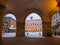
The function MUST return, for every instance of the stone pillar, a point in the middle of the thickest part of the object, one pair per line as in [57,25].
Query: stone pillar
[20,29]
[47,31]
[2,7]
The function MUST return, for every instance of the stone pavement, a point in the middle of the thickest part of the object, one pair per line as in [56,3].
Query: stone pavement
[31,41]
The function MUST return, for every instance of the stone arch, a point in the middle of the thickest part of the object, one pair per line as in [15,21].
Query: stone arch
[13,21]
[50,14]
[9,13]
[37,33]
[53,11]
[31,10]
[28,11]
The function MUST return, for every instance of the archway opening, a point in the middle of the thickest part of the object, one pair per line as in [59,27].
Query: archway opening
[33,25]
[9,26]
[56,24]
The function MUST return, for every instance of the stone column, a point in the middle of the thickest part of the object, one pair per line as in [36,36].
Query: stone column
[20,29]
[47,31]
[2,7]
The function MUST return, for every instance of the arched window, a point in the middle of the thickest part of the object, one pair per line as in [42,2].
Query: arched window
[31,31]
[56,24]
[9,26]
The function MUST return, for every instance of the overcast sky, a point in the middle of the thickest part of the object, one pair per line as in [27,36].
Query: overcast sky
[34,15]
[10,15]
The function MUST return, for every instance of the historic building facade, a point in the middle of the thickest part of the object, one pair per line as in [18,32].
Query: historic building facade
[33,25]
[9,23]
[33,28]
[56,24]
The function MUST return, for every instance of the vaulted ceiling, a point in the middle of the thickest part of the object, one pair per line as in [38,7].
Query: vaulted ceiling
[18,6]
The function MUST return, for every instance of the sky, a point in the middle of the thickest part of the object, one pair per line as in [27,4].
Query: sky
[10,15]
[34,15]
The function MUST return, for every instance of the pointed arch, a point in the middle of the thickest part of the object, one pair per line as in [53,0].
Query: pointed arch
[33,25]
[9,25]
[55,23]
